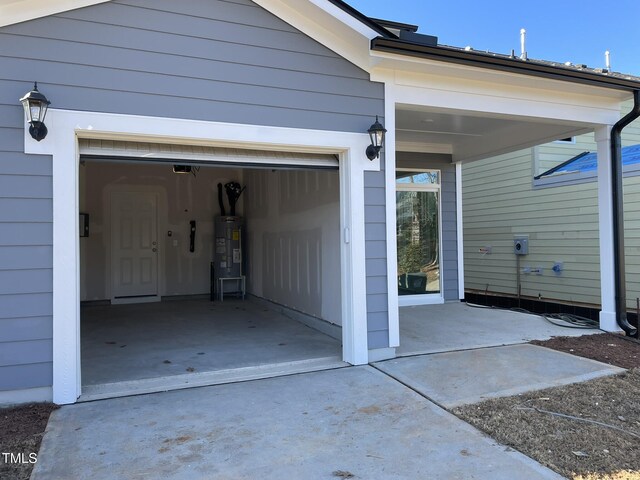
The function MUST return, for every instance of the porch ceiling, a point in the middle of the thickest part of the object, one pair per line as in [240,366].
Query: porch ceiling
[470,135]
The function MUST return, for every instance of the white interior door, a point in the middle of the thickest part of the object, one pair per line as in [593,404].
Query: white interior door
[134,247]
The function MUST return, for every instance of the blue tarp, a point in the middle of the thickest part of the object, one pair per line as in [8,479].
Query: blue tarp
[586,162]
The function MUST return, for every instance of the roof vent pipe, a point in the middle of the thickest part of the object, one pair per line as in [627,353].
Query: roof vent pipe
[523,50]
[607,60]
[618,216]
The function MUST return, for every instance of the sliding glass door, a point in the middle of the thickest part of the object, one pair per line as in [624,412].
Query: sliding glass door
[418,232]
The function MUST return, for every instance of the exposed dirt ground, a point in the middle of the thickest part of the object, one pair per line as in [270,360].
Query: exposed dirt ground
[557,426]
[605,347]
[21,431]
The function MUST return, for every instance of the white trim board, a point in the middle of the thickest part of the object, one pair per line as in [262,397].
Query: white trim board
[459,231]
[390,149]
[413,300]
[166,152]
[27,395]
[65,127]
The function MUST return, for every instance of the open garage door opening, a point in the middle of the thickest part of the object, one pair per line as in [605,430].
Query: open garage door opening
[205,265]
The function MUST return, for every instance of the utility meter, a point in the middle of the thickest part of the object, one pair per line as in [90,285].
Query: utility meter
[521,245]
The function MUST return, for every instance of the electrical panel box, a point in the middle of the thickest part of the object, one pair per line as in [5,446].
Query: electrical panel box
[521,245]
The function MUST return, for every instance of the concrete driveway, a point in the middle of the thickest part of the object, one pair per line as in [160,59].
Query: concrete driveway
[320,425]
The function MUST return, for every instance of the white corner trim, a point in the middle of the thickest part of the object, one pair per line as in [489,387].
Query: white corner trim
[22,10]
[413,300]
[327,24]
[61,143]
[390,149]
[605,223]
[27,395]
[459,230]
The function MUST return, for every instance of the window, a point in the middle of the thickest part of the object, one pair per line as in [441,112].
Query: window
[418,231]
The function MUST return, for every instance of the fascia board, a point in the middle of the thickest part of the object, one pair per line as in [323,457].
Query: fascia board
[17,11]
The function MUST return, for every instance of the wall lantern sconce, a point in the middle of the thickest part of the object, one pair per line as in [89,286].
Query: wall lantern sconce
[35,108]
[376,133]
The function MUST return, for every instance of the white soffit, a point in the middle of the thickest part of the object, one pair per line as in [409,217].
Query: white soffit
[201,155]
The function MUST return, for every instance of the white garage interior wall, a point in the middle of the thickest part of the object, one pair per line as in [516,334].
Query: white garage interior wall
[293,229]
[292,226]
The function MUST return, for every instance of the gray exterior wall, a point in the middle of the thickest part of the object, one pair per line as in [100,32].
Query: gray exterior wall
[449,264]
[217,60]
[376,254]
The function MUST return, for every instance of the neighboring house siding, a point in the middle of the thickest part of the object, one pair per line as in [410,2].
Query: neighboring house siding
[227,61]
[500,200]
[449,262]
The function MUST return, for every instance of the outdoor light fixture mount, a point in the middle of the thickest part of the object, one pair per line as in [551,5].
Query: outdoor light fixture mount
[376,133]
[35,108]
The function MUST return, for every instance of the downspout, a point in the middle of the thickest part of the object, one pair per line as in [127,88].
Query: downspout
[618,217]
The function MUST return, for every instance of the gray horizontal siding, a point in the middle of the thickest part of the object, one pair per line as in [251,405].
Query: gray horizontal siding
[377,303]
[215,60]
[14,163]
[376,251]
[26,281]
[26,305]
[378,338]
[16,210]
[28,257]
[26,186]
[23,234]
[134,57]
[17,377]
[14,353]
[25,328]
[376,266]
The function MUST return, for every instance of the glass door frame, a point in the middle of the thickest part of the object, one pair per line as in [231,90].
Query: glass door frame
[427,298]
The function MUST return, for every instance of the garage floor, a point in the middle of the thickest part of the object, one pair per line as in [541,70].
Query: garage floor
[132,343]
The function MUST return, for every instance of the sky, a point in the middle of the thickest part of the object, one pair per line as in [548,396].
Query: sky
[578,31]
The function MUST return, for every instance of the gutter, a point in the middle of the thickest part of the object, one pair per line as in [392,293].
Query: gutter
[501,62]
[618,217]
[363,18]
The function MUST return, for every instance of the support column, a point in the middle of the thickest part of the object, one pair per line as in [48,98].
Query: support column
[459,230]
[605,220]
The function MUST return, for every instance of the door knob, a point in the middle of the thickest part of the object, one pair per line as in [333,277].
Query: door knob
[154,249]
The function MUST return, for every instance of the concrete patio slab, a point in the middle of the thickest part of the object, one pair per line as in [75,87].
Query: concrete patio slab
[458,326]
[464,377]
[355,420]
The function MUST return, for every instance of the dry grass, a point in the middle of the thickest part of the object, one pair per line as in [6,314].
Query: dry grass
[621,475]
[573,447]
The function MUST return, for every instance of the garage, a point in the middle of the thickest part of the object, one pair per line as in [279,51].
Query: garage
[202,265]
